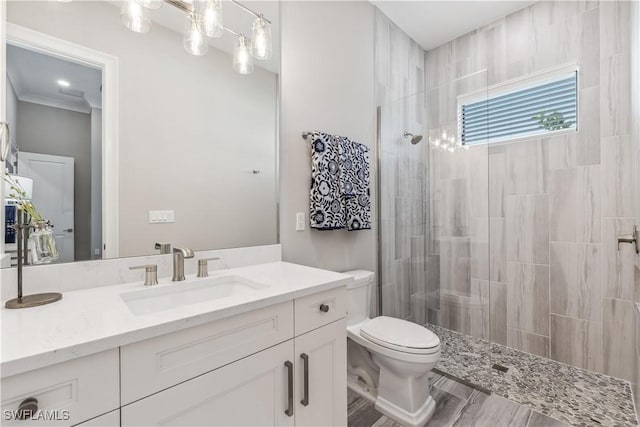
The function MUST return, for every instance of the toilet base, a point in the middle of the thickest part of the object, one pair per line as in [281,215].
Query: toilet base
[416,419]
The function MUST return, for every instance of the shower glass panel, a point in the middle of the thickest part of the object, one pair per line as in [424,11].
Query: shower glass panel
[403,195]
[458,200]
[435,212]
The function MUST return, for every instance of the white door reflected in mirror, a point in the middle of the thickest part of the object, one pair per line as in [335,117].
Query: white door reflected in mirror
[53,194]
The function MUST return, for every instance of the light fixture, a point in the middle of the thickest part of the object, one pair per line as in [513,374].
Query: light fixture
[211,13]
[242,61]
[261,39]
[150,4]
[135,17]
[63,83]
[204,19]
[195,41]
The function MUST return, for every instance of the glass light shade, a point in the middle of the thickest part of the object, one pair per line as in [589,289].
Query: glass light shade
[210,12]
[242,61]
[195,41]
[150,4]
[135,17]
[261,39]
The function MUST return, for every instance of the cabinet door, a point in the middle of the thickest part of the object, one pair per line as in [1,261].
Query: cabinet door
[323,353]
[250,392]
[111,419]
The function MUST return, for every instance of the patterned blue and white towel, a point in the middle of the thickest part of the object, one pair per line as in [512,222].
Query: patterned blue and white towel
[354,182]
[326,210]
[339,195]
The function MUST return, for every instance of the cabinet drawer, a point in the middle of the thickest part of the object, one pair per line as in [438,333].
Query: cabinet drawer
[319,309]
[67,393]
[158,363]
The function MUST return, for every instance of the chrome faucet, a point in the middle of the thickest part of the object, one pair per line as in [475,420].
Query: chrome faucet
[179,254]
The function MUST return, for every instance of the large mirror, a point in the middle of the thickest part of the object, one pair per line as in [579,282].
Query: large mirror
[162,134]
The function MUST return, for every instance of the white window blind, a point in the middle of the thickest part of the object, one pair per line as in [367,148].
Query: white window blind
[530,110]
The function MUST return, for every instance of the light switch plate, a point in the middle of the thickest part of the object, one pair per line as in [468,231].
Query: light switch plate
[161,217]
[301,224]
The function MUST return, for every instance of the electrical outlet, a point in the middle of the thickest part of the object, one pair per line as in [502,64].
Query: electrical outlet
[161,217]
[301,223]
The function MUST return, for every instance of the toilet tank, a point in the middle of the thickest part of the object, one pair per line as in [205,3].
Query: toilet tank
[359,296]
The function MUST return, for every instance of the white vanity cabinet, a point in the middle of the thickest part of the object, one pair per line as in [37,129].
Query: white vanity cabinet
[321,372]
[64,394]
[107,420]
[250,392]
[265,368]
[283,364]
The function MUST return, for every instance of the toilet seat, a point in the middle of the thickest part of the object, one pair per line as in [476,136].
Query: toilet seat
[400,335]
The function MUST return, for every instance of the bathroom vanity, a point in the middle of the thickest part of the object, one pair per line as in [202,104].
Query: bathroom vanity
[269,348]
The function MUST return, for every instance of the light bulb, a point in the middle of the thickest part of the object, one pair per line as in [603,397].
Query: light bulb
[261,39]
[211,13]
[135,17]
[195,41]
[150,4]
[242,61]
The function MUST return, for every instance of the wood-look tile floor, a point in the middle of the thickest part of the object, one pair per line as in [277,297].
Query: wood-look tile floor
[456,405]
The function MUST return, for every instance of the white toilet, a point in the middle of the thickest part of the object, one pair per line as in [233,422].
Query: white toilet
[389,359]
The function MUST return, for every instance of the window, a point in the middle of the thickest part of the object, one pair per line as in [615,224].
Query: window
[533,106]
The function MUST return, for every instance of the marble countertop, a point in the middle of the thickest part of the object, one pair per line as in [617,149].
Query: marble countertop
[88,321]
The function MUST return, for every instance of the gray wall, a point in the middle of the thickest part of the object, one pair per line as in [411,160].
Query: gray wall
[191,131]
[49,130]
[327,84]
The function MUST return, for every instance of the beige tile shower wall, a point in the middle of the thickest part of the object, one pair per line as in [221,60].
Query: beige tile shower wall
[400,93]
[558,286]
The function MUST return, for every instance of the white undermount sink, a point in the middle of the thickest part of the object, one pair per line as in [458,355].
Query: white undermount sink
[191,291]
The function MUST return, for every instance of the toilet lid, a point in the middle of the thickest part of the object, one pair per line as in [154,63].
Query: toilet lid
[401,335]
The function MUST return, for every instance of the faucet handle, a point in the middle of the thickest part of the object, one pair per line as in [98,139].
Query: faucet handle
[150,273]
[633,238]
[203,266]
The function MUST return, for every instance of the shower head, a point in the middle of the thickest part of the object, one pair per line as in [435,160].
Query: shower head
[414,138]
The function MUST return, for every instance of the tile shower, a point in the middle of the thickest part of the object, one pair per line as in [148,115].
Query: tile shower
[514,242]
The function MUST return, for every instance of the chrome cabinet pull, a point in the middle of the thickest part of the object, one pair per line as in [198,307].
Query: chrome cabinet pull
[324,308]
[289,410]
[27,408]
[305,361]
